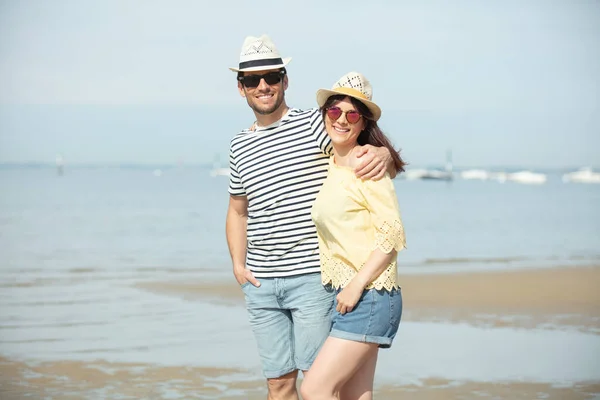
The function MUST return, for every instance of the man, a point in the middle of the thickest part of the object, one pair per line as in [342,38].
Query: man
[276,171]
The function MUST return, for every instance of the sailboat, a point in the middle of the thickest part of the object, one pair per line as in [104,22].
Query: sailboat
[60,165]
[438,174]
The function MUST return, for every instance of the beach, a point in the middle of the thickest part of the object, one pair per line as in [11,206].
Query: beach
[541,301]
[117,284]
[567,296]
[69,380]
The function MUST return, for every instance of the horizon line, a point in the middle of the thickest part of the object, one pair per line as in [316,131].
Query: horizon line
[137,164]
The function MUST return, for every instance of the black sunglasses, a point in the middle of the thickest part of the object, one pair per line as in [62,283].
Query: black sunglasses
[271,78]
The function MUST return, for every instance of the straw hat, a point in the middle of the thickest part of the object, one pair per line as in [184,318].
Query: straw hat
[260,53]
[353,84]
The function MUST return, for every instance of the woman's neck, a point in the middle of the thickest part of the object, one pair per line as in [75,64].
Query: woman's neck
[343,155]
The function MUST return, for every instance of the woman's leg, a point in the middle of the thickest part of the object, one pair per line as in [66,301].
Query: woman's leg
[338,361]
[360,387]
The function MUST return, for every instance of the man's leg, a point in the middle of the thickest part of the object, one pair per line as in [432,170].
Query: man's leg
[311,307]
[272,327]
[283,388]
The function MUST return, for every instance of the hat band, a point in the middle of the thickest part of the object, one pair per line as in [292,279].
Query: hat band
[351,92]
[261,63]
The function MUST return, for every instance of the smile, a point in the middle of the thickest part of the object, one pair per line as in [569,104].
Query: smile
[341,130]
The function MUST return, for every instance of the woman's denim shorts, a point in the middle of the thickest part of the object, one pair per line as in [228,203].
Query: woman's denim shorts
[374,319]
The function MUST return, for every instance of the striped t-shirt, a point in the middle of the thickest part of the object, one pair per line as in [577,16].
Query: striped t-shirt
[280,169]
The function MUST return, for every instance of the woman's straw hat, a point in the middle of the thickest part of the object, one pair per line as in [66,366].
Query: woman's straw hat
[353,84]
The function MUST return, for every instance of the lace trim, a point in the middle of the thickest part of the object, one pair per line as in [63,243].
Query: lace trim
[390,236]
[339,274]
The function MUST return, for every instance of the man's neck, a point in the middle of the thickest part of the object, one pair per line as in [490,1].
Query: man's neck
[268,119]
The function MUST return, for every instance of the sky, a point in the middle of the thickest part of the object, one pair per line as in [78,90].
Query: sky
[514,83]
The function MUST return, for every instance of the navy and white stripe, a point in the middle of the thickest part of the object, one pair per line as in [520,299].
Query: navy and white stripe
[280,169]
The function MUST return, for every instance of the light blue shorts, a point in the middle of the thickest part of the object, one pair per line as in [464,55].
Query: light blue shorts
[374,319]
[291,319]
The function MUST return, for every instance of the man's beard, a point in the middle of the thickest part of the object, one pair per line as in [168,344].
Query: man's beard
[267,111]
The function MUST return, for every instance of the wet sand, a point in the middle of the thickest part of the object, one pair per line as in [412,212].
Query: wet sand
[549,299]
[545,297]
[99,380]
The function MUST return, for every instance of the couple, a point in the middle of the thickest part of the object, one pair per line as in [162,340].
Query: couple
[313,230]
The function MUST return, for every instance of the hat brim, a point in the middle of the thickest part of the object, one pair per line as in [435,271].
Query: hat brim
[324,94]
[285,62]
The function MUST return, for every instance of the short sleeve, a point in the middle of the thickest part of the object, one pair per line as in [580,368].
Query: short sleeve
[380,200]
[236,188]
[319,133]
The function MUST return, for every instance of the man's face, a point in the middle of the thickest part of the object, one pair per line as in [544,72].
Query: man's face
[264,99]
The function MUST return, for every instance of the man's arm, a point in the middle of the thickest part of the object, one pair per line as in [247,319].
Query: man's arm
[235,230]
[374,162]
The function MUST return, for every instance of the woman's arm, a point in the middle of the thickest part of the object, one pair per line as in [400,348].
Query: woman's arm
[377,262]
[379,199]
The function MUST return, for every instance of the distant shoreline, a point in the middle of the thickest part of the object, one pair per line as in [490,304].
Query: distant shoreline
[139,165]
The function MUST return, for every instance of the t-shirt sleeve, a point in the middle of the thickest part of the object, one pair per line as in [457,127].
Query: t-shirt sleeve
[319,133]
[236,188]
[379,198]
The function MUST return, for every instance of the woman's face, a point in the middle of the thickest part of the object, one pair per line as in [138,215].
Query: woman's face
[342,131]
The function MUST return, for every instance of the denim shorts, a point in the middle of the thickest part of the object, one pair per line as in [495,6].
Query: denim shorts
[291,319]
[374,319]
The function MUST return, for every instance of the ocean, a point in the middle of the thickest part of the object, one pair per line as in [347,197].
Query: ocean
[130,219]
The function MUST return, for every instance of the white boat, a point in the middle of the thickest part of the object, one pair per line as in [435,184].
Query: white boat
[219,172]
[426,174]
[217,169]
[432,174]
[478,174]
[438,175]
[527,177]
[414,174]
[584,175]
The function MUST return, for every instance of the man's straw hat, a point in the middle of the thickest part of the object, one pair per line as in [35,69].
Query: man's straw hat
[260,53]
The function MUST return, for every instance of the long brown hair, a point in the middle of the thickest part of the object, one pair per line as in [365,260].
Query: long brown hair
[372,134]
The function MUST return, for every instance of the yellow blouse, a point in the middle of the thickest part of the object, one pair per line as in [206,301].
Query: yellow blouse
[354,217]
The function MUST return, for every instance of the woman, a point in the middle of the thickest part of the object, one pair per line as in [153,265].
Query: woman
[360,232]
